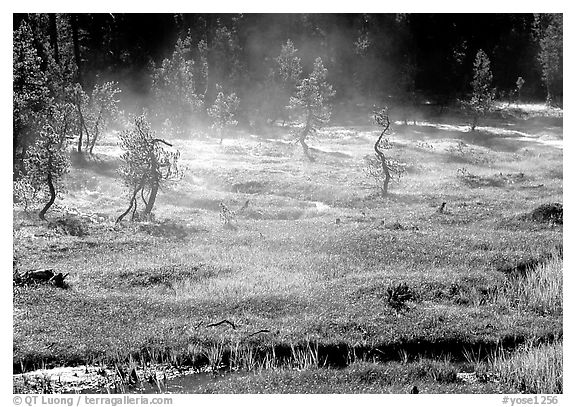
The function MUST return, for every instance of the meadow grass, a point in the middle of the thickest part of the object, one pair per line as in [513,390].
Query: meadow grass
[541,288]
[427,375]
[532,368]
[150,289]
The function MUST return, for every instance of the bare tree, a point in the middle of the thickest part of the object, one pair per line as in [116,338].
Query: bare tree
[381,168]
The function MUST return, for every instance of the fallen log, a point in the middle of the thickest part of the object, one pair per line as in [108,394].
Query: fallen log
[44,276]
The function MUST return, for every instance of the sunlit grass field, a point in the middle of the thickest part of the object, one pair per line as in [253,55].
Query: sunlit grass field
[311,258]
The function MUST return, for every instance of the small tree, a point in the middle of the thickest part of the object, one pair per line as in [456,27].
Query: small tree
[519,84]
[311,102]
[175,87]
[483,94]
[287,73]
[46,163]
[382,168]
[95,112]
[103,109]
[147,165]
[223,112]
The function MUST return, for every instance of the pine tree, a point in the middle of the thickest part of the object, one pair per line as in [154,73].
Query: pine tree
[285,77]
[175,88]
[223,112]
[289,67]
[147,165]
[312,103]
[46,163]
[483,94]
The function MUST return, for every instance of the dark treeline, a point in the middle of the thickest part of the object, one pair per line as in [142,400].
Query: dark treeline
[371,55]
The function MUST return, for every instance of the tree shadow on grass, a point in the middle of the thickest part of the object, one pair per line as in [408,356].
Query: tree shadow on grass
[506,142]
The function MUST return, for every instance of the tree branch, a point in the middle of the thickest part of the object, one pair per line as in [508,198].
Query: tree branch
[158,140]
[258,332]
[224,321]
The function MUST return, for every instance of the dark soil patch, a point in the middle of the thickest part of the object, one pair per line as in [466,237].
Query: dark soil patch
[546,213]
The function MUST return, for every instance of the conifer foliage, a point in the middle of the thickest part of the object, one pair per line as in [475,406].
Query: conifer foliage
[312,103]
[483,93]
[148,162]
[223,112]
[46,162]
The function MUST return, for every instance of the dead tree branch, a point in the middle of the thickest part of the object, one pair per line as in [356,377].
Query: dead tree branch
[224,321]
[257,332]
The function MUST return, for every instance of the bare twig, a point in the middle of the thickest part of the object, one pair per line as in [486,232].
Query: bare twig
[158,140]
[224,321]
[258,332]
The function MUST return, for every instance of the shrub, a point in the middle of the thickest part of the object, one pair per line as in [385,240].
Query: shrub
[398,295]
[547,213]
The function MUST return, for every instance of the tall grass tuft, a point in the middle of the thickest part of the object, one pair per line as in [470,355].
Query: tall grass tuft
[541,289]
[531,368]
[306,358]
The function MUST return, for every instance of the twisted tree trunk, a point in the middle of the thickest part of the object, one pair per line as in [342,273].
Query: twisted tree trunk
[151,199]
[132,203]
[155,180]
[304,135]
[382,157]
[96,132]
[42,213]
[83,127]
